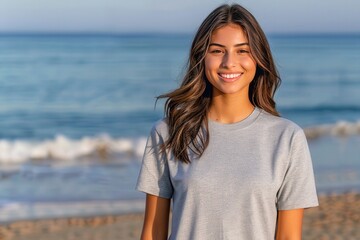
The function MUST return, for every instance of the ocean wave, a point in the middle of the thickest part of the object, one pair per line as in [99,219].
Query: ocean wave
[63,148]
[339,129]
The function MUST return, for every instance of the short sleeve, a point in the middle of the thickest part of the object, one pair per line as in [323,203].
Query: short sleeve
[154,177]
[298,188]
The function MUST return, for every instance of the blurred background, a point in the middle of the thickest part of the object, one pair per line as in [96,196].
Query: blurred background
[78,82]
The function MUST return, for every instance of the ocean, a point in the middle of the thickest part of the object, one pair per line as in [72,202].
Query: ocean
[76,109]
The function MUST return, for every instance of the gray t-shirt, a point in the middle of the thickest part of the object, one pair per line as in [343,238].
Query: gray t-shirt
[249,170]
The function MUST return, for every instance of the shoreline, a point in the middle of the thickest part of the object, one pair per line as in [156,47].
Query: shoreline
[337,217]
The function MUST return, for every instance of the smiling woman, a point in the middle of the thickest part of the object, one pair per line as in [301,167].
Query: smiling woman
[229,163]
[230,67]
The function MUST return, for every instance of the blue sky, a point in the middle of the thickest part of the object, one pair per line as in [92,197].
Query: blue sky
[172,16]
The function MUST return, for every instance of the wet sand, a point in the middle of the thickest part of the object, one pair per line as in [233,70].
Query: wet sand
[338,217]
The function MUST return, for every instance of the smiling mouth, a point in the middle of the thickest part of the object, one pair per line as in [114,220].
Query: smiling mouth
[229,77]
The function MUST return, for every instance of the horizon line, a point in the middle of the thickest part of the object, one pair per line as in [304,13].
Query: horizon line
[149,33]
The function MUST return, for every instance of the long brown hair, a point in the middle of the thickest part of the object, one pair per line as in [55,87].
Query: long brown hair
[186,108]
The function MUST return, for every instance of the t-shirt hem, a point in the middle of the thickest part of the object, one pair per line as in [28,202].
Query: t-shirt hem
[154,192]
[298,206]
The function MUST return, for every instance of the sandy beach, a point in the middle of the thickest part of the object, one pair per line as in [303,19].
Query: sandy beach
[338,217]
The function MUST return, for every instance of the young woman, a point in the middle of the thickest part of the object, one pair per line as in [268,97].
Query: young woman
[233,168]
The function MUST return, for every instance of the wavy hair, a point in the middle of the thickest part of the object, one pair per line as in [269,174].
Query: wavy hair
[186,107]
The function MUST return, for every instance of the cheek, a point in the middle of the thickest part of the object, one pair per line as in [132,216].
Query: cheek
[209,67]
[207,63]
[249,64]
[209,73]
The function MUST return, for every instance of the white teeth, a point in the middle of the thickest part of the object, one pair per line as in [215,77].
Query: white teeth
[230,75]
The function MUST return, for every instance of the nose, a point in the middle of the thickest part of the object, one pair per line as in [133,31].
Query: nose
[228,61]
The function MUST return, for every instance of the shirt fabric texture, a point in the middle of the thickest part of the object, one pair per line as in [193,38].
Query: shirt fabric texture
[249,171]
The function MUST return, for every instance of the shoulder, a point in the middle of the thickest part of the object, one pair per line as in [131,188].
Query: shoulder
[282,130]
[160,127]
[278,124]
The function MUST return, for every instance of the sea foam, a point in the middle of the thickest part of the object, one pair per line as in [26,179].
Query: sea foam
[339,129]
[63,148]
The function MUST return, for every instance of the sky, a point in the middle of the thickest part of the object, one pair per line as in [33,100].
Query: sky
[181,16]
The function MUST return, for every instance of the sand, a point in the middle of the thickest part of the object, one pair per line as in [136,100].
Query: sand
[338,217]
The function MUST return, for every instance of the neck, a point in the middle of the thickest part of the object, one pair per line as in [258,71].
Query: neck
[228,108]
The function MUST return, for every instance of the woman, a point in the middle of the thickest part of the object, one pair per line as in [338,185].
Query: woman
[233,168]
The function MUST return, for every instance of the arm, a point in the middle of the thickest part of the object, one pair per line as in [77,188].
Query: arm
[156,221]
[289,224]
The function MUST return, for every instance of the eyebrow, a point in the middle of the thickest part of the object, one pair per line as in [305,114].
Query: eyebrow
[236,45]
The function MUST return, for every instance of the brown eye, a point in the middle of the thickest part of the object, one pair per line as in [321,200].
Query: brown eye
[216,51]
[243,51]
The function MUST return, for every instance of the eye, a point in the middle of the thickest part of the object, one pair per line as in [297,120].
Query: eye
[216,51]
[243,51]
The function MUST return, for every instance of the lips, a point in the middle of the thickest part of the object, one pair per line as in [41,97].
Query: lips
[229,77]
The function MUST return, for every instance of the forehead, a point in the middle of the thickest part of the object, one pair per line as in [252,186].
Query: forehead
[230,33]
